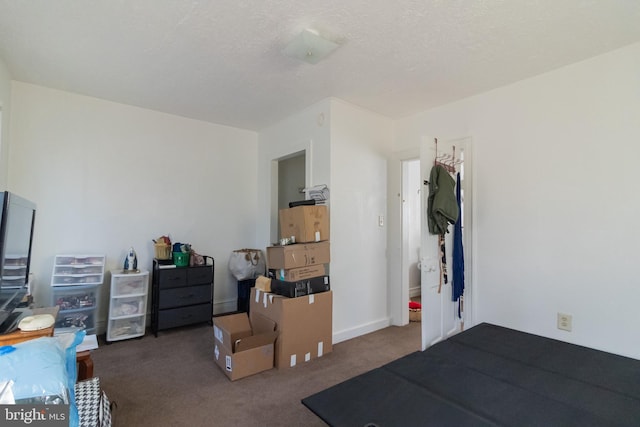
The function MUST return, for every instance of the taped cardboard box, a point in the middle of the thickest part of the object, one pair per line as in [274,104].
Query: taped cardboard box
[304,325]
[294,274]
[298,255]
[244,346]
[305,223]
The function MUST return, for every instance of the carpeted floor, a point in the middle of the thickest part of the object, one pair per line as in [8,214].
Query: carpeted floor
[172,380]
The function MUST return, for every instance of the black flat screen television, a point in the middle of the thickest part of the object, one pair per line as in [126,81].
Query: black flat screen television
[16,237]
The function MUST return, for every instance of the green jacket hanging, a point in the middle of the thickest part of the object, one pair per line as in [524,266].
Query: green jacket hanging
[442,207]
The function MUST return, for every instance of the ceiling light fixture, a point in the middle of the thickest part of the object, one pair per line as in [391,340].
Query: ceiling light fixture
[310,47]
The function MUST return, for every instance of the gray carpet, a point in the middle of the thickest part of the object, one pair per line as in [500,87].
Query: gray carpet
[173,380]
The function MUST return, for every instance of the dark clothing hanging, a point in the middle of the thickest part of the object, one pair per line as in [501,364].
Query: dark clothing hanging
[443,260]
[458,253]
[442,208]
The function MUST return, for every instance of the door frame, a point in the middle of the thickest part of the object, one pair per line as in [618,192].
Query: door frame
[469,242]
[398,288]
[407,193]
[306,149]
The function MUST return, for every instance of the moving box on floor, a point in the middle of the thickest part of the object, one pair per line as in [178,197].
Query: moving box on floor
[244,346]
[304,325]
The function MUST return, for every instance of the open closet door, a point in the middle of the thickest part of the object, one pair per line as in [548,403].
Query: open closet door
[441,315]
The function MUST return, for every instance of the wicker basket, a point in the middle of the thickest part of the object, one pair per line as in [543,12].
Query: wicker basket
[162,251]
[415,315]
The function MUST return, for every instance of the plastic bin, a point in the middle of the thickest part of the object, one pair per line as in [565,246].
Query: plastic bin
[181,259]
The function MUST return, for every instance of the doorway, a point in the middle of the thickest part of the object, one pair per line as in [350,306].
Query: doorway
[291,180]
[411,205]
[443,313]
[411,234]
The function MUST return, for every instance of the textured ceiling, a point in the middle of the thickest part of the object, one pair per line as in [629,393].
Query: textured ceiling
[221,61]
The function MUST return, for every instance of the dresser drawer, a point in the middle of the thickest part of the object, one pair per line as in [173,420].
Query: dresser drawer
[185,316]
[172,277]
[200,275]
[179,297]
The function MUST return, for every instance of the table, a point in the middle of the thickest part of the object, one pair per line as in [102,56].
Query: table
[85,365]
[20,336]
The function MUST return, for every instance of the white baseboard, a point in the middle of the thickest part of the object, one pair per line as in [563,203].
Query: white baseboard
[415,292]
[231,305]
[226,306]
[347,334]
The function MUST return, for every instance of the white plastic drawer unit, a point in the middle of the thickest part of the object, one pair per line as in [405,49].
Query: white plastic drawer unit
[127,305]
[77,270]
[120,329]
[128,285]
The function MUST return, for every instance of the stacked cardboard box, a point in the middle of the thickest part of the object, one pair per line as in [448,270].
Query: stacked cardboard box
[302,268]
[305,223]
[300,301]
[299,269]
[304,325]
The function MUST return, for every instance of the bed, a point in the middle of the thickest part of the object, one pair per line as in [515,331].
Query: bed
[490,376]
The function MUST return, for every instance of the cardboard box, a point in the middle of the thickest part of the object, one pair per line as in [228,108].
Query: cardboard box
[304,325]
[244,346]
[295,274]
[300,288]
[305,223]
[298,255]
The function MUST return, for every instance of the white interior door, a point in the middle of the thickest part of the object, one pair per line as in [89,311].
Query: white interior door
[439,312]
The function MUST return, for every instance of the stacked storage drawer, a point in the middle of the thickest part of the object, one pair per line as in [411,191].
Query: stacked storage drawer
[78,305]
[76,282]
[73,270]
[14,271]
[128,305]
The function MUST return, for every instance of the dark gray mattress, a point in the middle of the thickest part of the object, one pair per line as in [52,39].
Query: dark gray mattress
[487,376]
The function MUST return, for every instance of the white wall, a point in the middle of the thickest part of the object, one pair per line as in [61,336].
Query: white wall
[107,176]
[361,142]
[5,109]
[556,178]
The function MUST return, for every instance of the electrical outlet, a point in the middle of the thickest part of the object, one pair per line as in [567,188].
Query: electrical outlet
[564,322]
